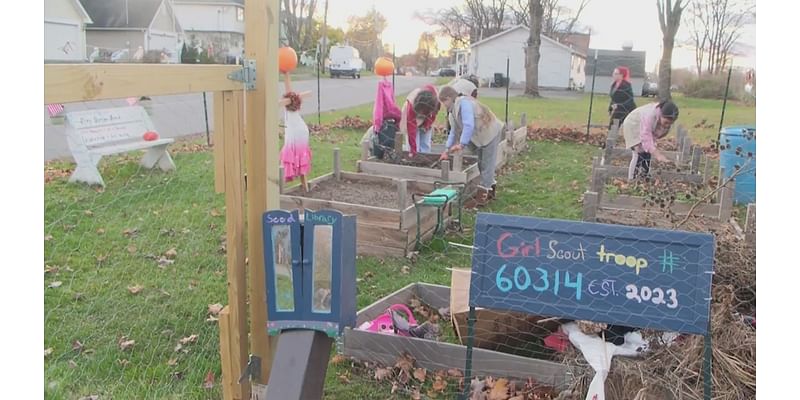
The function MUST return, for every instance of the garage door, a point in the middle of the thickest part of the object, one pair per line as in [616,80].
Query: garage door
[161,41]
[62,42]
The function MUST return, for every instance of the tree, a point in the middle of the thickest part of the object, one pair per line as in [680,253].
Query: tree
[298,18]
[556,18]
[470,22]
[716,26]
[364,33]
[532,53]
[427,50]
[669,17]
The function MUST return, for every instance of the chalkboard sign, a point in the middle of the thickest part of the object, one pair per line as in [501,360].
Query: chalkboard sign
[632,276]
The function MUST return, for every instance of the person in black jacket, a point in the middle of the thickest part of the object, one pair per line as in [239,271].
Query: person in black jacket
[621,96]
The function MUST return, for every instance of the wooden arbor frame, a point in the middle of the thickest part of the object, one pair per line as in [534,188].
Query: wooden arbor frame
[65,83]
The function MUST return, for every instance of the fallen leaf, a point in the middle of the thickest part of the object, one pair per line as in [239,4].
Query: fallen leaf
[77,296]
[455,372]
[215,213]
[51,269]
[54,285]
[208,383]
[172,362]
[193,283]
[414,302]
[405,362]
[500,390]
[163,262]
[125,343]
[48,351]
[405,270]
[171,254]
[368,274]
[92,397]
[338,359]
[101,258]
[416,395]
[101,231]
[212,319]
[395,387]
[72,364]
[439,384]
[382,373]
[166,232]
[177,375]
[189,339]
[88,213]
[123,362]
[178,347]
[403,377]
[48,238]
[164,292]
[130,232]
[135,289]
[419,374]
[343,378]
[77,346]
[518,397]
[131,249]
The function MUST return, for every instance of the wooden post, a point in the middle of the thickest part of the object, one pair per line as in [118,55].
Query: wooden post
[707,170]
[595,162]
[607,156]
[613,133]
[686,151]
[402,192]
[591,201]
[750,224]
[697,154]
[446,170]
[281,178]
[398,142]
[261,31]
[458,161]
[720,179]
[229,379]
[523,120]
[235,234]
[337,166]
[598,180]
[726,201]
[365,150]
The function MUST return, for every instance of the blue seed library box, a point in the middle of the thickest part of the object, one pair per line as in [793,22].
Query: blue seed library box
[310,270]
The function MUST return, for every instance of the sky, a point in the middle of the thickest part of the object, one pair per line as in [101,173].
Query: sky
[613,22]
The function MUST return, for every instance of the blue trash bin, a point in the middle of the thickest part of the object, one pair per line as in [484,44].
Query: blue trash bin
[739,151]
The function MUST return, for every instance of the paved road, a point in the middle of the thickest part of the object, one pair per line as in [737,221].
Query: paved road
[182,115]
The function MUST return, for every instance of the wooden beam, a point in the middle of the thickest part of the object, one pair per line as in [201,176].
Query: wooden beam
[613,171]
[458,161]
[229,378]
[235,234]
[337,165]
[750,223]
[261,31]
[697,154]
[219,144]
[402,194]
[66,83]
[446,170]
[599,176]
[590,203]
[365,147]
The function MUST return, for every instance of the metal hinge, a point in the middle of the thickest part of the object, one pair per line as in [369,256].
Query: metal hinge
[247,75]
[253,369]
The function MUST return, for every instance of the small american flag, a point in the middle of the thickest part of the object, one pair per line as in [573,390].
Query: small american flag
[55,109]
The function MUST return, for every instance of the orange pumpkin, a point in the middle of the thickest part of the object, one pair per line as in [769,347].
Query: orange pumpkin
[287,59]
[384,66]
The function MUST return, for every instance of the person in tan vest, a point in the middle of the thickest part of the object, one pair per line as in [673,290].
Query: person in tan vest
[476,129]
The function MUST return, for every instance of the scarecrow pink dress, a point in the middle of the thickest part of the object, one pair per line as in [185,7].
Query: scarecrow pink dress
[296,152]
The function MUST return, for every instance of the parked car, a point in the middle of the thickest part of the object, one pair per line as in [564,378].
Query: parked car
[434,72]
[447,72]
[650,89]
[345,61]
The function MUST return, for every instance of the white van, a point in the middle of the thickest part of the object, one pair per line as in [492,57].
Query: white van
[345,61]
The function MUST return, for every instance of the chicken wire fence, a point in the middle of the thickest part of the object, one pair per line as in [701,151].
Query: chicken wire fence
[135,275]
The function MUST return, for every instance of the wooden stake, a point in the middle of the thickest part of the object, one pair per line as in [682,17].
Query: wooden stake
[402,192]
[337,167]
[697,154]
[591,202]
[446,170]
[219,144]
[598,180]
[610,144]
[281,178]
[458,161]
[750,224]
[398,142]
[365,150]
[261,30]
[229,379]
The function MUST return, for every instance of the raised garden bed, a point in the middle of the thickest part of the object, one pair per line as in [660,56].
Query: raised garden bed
[386,218]
[423,167]
[437,355]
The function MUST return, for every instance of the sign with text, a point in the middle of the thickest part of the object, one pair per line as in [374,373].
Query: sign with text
[99,127]
[622,275]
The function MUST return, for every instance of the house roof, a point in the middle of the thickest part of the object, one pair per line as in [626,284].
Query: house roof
[84,15]
[607,60]
[522,26]
[132,14]
[578,41]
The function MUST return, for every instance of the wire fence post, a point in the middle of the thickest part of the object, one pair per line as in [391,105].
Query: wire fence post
[508,83]
[205,110]
[468,366]
[707,376]
[320,62]
[724,104]
[394,66]
[591,97]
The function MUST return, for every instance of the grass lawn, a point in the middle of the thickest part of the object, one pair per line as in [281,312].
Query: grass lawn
[108,283]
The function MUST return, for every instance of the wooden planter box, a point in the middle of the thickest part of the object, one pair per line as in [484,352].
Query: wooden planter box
[433,355]
[462,169]
[389,230]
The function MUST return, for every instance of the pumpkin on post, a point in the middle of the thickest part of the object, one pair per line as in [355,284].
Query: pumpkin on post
[287,59]
[384,66]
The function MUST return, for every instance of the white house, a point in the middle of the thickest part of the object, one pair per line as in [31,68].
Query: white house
[216,22]
[123,26]
[64,34]
[560,66]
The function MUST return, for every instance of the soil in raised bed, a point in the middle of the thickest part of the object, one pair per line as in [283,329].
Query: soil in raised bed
[423,160]
[375,194]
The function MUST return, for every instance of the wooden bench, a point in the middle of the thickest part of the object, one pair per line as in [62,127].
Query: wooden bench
[96,133]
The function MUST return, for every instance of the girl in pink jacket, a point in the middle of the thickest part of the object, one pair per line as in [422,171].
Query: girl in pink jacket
[642,128]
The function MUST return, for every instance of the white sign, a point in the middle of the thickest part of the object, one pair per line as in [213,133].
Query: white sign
[96,127]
